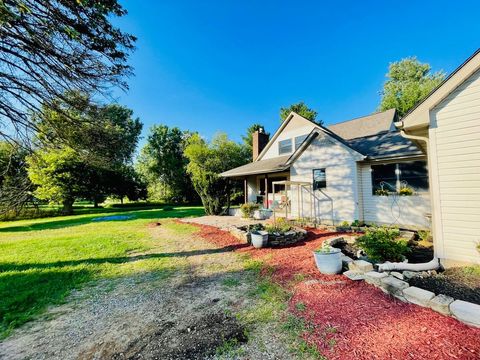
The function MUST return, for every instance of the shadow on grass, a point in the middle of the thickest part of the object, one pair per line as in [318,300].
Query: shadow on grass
[73,220]
[28,293]
[116,260]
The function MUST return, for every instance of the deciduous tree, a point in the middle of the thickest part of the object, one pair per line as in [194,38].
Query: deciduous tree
[408,82]
[206,162]
[301,109]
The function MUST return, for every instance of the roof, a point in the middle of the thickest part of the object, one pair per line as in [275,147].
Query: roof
[259,167]
[418,116]
[385,146]
[366,125]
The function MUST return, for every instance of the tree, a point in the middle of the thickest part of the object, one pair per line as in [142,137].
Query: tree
[301,109]
[206,162]
[91,158]
[163,164]
[408,82]
[15,186]
[50,47]
[248,138]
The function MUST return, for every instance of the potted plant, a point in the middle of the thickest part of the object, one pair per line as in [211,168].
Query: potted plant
[328,259]
[259,238]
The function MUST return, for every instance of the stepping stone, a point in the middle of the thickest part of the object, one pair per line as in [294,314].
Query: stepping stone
[407,275]
[360,265]
[392,285]
[466,312]
[418,296]
[397,274]
[441,303]
[374,278]
[354,275]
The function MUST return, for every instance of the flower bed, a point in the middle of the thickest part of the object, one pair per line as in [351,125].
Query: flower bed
[278,239]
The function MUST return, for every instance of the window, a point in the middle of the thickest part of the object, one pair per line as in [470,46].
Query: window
[319,179]
[413,174]
[285,146]
[299,140]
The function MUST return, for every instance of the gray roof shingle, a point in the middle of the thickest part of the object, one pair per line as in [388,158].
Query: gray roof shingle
[385,145]
[365,126]
[259,167]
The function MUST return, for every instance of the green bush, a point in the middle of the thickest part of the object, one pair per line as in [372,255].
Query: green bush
[248,209]
[381,244]
[279,226]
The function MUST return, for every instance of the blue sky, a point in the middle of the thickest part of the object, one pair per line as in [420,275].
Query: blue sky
[222,65]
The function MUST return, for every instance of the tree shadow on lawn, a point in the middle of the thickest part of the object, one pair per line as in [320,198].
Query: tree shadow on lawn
[27,293]
[4,267]
[74,220]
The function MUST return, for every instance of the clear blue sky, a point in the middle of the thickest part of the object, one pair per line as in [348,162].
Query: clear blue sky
[216,66]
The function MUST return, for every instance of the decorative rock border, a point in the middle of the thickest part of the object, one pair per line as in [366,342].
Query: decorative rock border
[274,240]
[391,284]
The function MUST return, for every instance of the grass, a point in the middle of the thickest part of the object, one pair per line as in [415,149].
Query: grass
[43,260]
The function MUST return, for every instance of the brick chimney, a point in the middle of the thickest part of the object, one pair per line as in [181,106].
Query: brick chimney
[259,141]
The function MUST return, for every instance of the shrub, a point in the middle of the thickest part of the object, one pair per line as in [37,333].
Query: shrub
[381,244]
[345,224]
[248,209]
[279,226]
[355,223]
[425,235]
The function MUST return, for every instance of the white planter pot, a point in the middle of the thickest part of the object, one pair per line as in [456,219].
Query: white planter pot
[259,239]
[329,263]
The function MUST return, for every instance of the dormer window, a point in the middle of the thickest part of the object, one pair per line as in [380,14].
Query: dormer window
[285,146]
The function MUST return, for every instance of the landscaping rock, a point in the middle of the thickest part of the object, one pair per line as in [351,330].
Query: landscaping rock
[374,278]
[335,240]
[360,265]
[354,275]
[346,260]
[392,285]
[441,303]
[407,275]
[466,312]
[418,296]
[397,275]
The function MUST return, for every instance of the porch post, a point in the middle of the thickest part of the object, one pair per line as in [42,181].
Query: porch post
[266,190]
[245,189]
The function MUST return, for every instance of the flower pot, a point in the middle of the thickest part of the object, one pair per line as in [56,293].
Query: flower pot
[259,239]
[329,262]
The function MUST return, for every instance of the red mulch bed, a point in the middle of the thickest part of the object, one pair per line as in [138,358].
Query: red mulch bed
[354,320]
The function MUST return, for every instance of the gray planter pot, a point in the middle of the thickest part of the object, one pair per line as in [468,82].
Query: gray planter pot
[259,239]
[329,262]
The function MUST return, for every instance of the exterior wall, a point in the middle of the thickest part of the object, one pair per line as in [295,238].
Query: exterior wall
[455,161]
[340,198]
[404,211]
[297,126]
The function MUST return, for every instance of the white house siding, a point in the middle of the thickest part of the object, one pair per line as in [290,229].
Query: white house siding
[340,165]
[404,211]
[455,151]
[297,126]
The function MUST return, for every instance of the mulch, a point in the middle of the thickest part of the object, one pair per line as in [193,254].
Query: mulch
[354,320]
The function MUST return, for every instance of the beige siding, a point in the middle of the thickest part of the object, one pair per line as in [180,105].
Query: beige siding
[455,144]
[296,127]
[404,211]
[340,199]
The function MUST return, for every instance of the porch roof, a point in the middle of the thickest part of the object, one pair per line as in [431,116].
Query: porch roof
[267,166]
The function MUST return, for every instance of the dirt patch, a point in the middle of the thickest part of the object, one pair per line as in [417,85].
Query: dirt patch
[191,341]
[460,283]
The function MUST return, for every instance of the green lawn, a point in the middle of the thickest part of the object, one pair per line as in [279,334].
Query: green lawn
[43,260]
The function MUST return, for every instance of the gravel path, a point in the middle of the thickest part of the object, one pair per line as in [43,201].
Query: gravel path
[147,316]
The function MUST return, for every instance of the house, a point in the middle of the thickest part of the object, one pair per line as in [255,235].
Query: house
[447,127]
[339,173]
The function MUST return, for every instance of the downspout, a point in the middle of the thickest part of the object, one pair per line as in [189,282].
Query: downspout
[434,264]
